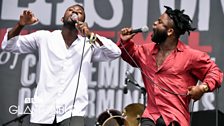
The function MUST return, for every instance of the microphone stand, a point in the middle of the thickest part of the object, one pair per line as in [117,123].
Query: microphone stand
[143,90]
[19,119]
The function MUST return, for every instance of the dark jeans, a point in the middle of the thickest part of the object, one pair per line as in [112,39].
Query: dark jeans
[75,121]
[159,122]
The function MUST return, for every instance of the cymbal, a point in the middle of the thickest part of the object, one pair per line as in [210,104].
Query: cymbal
[134,109]
[133,112]
[116,121]
[111,117]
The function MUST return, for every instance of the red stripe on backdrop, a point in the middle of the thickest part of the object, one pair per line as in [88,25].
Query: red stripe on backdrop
[193,39]
[107,34]
[2,33]
[194,42]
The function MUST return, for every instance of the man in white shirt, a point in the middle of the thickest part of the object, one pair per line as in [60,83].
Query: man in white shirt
[64,64]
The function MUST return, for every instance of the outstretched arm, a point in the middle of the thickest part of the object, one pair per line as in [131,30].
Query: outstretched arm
[13,42]
[27,18]
[128,48]
[104,48]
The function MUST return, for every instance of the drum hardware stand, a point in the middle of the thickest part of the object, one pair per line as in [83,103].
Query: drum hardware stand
[143,90]
[19,119]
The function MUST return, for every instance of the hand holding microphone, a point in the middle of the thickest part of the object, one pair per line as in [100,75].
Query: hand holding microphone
[82,27]
[74,18]
[128,33]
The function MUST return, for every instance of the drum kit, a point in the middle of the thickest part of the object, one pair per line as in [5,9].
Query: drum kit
[130,116]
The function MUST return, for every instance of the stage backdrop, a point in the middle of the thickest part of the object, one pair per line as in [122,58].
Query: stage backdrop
[105,17]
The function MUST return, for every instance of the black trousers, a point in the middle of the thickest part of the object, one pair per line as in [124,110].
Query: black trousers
[159,122]
[74,121]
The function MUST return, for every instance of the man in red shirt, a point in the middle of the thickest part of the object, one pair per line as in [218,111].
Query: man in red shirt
[170,70]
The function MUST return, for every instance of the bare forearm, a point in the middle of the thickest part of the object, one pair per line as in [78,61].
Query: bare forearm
[15,31]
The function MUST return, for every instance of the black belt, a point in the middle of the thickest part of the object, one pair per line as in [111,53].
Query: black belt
[159,122]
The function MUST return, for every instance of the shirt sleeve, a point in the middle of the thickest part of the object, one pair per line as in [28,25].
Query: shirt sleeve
[21,43]
[207,71]
[108,51]
[129,52]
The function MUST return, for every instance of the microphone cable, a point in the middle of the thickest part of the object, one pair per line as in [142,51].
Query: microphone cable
[77,86]
[164,89]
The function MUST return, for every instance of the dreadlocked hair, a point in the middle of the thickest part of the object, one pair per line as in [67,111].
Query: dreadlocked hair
[182,22]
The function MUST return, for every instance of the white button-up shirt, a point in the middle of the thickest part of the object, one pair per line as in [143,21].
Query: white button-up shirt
[57,71]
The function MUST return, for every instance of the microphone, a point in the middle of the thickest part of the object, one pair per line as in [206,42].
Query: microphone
[74,18]
[131,81]
[130,78]
[125,89]
[143,29]
[128,74]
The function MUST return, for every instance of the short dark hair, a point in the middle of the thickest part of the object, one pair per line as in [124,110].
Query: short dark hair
[81,6]
[182,22]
